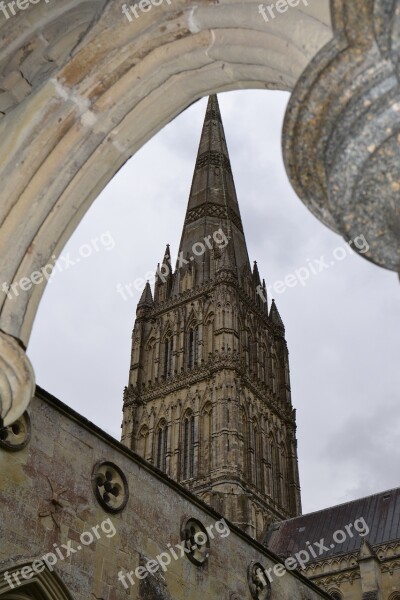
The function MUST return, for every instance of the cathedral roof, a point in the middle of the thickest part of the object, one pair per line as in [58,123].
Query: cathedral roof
[213,202]
[381,513]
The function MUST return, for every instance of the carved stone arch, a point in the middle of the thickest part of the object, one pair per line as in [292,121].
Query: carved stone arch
[97,98]
[151,338]
[192,318]
[207,406]
[188,408]
[162,421]
[209,314]
[167,330]
[161,411]
[41,586]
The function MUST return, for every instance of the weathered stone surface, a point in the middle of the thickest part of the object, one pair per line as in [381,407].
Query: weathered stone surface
[342,129]
[53,475]
[17,380]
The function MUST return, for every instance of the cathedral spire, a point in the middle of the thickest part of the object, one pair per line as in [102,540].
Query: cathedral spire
[146,298]
[276,318]
[209,340]
[163,279]
[213,203]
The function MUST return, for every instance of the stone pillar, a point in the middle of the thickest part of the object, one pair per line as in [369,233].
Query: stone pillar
[370,571]
[342,128]
[17,379]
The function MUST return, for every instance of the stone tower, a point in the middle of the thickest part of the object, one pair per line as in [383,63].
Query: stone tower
[208,400]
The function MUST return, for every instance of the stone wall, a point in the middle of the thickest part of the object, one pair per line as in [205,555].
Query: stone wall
[48,500]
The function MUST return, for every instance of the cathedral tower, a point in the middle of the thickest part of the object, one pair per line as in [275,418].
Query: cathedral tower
[208,400]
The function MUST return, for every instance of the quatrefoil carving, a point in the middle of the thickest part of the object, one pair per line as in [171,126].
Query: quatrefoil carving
[259,585]
[196,540]
[110,486]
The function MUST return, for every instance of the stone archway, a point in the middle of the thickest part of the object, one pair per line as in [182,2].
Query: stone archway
[41,584]
[85,89]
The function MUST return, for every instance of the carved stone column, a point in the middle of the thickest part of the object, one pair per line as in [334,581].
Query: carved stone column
[341,137]
[17,380]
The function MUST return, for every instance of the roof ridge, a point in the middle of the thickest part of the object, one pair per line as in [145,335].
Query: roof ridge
[330,508]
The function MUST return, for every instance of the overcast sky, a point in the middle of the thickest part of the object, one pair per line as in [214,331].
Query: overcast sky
[342,326]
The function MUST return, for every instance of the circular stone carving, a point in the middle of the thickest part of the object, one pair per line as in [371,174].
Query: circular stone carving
[196,540]
[16,436]
[260,587]
[110,486]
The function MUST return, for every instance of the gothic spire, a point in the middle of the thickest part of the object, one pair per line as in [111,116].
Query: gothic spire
[213,203]
[256,274]
[146,298]
[276,318]
[163,278]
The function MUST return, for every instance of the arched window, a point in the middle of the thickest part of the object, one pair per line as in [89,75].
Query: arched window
[162,446]
[208,336]
[284,476]
[188,447]
[257,457]
[150,360]
[41,586]
[249,344]
[275,372]
[278,474]
[273,468]
[142,446]
[245,443]
[168,350]
[206,430]
[193,346]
